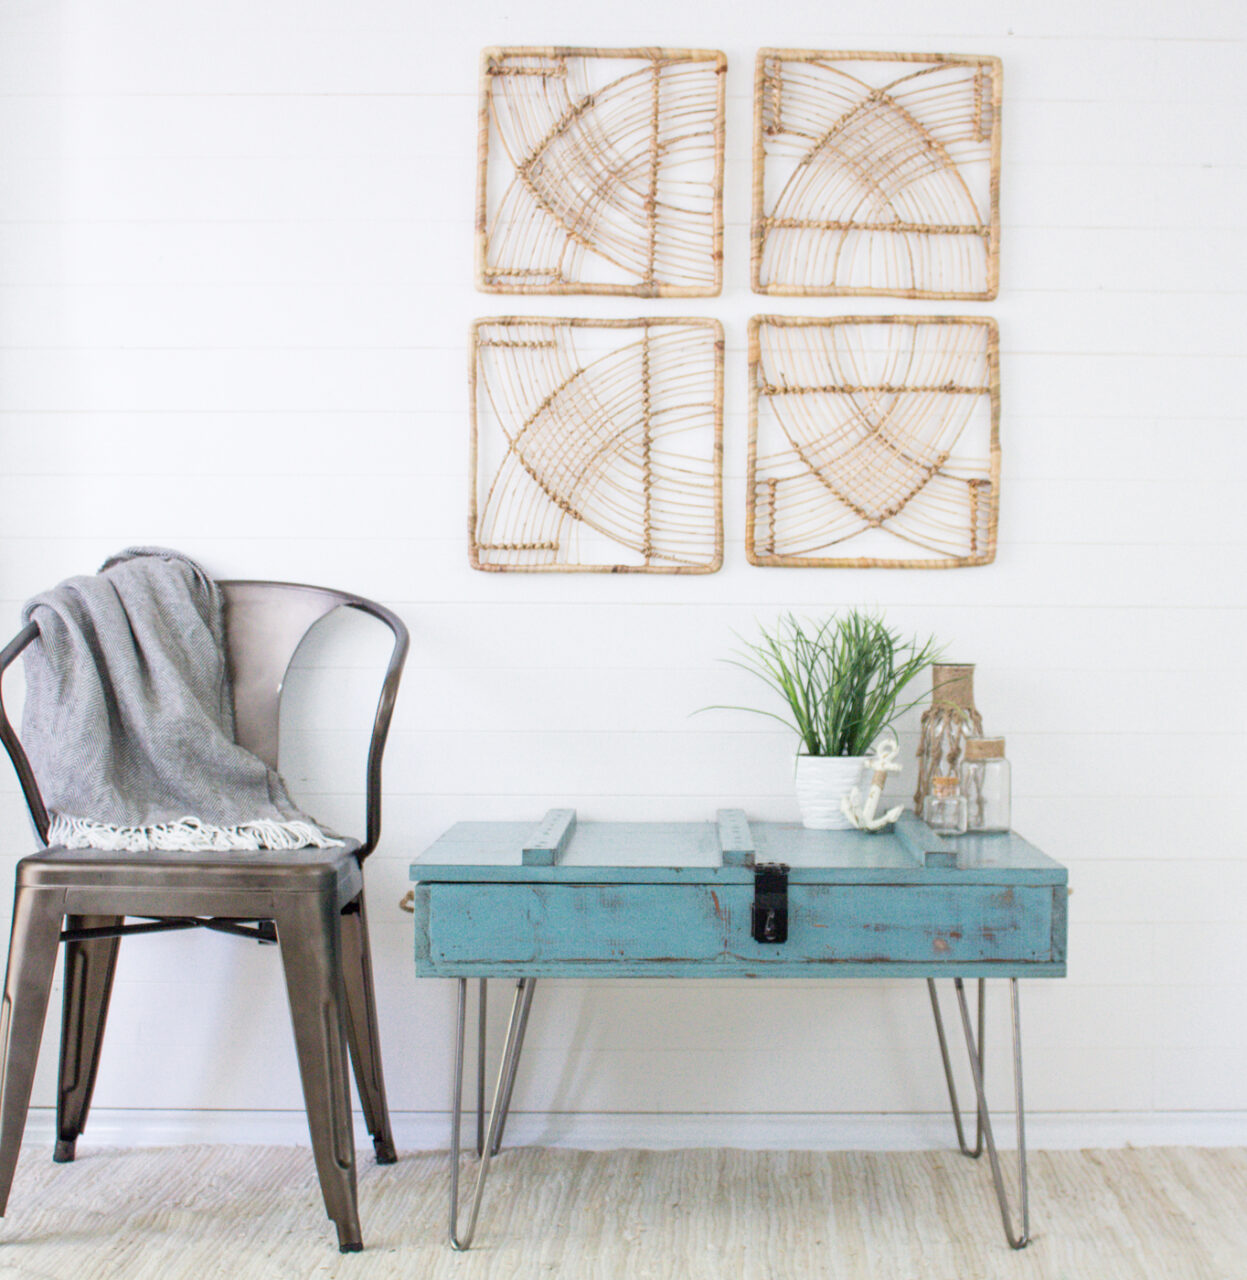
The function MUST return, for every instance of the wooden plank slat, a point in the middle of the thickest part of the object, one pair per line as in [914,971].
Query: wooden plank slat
[735,839]
[929,847]
[690,852]
[547,844]
[678,930]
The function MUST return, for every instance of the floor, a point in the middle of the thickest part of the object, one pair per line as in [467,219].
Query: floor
[251,1213]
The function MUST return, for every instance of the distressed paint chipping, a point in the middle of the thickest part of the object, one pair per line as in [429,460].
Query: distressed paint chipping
[613,907]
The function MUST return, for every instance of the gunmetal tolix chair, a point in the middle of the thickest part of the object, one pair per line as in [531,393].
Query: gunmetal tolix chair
[309,901]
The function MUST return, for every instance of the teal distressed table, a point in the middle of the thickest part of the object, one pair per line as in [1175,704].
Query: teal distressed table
[733,899]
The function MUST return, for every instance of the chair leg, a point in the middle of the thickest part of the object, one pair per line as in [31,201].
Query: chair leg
[362,1034]
[32,959]
[89,969]
[309,933]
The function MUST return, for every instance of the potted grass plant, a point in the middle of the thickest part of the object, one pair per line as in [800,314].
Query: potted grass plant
[844,680]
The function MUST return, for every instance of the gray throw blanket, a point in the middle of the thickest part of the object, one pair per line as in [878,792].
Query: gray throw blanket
[129,718]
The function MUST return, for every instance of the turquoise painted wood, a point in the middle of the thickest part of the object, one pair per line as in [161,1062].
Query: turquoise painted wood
[674,899]
[736,848]
[550,840]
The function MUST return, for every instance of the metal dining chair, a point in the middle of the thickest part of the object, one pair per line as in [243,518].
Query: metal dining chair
[309,901]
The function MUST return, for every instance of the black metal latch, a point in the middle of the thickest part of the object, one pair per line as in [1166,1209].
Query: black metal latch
[769,917]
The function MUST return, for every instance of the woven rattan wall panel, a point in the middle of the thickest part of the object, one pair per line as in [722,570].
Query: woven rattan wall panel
[597,445]
[876,173]
[873,441]
[601,171]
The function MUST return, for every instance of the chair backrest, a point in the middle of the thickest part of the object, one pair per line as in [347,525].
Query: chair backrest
[265,622]
[264,625]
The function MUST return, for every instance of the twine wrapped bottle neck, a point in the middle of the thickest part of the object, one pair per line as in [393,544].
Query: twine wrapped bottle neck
[953,683]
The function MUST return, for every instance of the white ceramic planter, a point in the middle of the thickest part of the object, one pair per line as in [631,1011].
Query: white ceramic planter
[822,782]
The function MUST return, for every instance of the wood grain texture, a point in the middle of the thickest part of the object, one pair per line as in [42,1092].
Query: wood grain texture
[623,902]
[696,931]
[628,852]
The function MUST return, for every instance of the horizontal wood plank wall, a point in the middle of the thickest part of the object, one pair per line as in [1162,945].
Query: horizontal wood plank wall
[235,290]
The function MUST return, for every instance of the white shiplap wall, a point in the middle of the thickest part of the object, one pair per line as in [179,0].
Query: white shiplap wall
[235,286]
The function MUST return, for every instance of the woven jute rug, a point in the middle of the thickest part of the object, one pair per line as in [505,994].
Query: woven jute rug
[255,1212]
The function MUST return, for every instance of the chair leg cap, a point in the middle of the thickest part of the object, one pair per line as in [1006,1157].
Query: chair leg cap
[384,1149]
[64,1151]
[357,1247]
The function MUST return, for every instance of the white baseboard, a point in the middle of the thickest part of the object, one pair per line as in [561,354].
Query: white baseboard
[603,1131]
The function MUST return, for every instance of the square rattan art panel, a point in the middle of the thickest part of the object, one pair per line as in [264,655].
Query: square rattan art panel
[873,441]
[876,173]
[597,445]
[601,171]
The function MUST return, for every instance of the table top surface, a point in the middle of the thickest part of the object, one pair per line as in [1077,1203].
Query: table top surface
[560,848]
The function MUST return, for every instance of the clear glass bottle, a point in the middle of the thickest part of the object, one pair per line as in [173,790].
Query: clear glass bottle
[985,784]
[944,810]
[951,718]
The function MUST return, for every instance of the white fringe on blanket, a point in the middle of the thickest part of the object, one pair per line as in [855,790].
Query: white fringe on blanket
[188,835]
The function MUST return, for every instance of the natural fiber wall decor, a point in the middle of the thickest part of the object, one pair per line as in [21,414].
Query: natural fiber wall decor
[597,445]
[876,173]
[873,441]
[601,171]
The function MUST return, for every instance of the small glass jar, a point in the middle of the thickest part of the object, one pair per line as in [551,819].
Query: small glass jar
[985,784]
[944,810]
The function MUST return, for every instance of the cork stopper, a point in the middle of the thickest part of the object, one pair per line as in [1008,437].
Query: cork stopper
[953,682]
[943,788]
[984,749]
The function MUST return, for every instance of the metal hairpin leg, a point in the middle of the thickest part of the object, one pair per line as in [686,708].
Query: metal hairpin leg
[1022,1238]
[977,1150]
[482,989]
[502,1099]
[529,987]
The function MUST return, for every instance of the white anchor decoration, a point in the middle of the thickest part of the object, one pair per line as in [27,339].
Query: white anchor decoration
[863,816]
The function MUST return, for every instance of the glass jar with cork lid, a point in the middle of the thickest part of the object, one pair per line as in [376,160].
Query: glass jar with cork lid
[985,783]
[944,810]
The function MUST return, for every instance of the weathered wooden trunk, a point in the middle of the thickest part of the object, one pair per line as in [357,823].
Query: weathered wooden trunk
[563,899]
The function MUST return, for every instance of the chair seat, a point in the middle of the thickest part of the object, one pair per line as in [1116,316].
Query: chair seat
[102,881]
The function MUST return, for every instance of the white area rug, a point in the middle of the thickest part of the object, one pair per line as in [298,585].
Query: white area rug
[255,1212]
